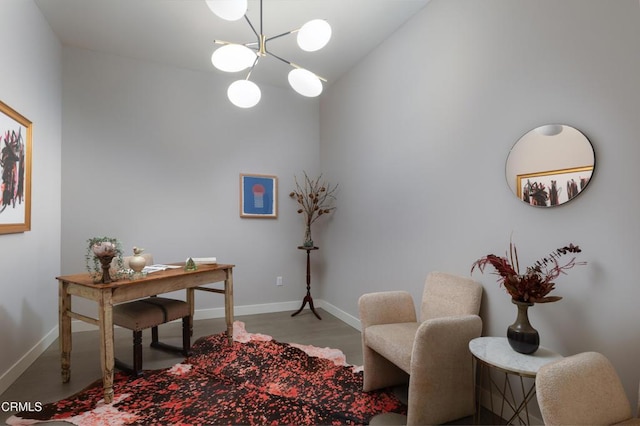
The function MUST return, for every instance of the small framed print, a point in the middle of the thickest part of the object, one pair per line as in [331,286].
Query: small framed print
[15,168]
[258,196]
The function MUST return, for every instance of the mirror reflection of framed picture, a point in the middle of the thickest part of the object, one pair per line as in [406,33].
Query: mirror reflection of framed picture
[258,196]
[15,171]
[554,187]
[550,165]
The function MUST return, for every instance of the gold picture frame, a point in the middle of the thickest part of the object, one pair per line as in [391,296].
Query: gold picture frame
[15,171]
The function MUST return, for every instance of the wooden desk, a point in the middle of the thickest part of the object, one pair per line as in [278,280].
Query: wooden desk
[107,295]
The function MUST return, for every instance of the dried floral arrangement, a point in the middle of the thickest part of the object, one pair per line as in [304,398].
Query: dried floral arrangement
[315,198]
[534,285]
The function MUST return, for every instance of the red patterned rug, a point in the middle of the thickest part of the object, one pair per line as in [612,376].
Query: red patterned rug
[257,381]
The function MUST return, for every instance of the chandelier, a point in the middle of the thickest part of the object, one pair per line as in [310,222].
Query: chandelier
[235,57]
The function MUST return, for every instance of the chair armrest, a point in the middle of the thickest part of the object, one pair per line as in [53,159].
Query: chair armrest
[442,343]
[441,376]
[386,307]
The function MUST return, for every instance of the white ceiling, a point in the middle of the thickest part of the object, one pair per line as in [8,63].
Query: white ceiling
[181,32]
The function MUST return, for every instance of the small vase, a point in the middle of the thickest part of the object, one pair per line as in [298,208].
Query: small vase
[137,262]
[521,335]
[308,241]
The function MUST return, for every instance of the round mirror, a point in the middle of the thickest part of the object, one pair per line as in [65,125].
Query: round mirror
[550,165]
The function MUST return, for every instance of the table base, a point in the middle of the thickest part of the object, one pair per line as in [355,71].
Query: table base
[307,299]
[520,408]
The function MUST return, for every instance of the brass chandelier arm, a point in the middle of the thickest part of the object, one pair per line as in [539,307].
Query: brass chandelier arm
[283,34]
[262,40]
[294,65]
[253,45]
[252,67]
[252,27]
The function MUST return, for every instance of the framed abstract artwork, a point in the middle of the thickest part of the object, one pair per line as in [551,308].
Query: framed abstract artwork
[258,196]
[15,168]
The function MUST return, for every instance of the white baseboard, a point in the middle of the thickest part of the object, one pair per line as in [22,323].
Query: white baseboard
[12,374]
[340,314]
[263,308]
[280,307]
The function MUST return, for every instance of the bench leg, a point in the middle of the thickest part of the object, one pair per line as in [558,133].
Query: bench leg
[136,370]
[154,334]
[186,339]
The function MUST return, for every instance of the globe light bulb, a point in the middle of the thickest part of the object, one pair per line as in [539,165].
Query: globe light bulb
[244,93]
[233,58]
[314,35]
[229,10]
[305,82]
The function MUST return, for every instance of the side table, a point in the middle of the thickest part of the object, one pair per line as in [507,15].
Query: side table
[495,353]
[308,297]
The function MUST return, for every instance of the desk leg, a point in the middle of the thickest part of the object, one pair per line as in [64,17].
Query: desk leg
[64,325]
[191,299]
[105,321]
[228,304]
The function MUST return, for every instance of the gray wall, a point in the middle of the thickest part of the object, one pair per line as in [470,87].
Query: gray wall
[418,134]
[152,156]
[30,82]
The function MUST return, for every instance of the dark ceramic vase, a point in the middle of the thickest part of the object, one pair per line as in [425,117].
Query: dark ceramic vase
[521,335]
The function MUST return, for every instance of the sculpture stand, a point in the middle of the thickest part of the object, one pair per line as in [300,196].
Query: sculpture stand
[307,298]
[106,265]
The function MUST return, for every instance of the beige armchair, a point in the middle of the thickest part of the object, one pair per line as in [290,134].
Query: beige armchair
[432,353]
[582,389]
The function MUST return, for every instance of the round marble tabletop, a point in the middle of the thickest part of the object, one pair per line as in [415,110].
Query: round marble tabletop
[496,352]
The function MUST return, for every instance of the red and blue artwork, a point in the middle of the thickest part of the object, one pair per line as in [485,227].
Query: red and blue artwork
[258,195]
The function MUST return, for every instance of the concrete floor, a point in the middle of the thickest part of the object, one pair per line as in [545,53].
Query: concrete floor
[41,381]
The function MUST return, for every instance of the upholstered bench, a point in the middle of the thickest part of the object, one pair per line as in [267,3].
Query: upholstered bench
[150,313]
